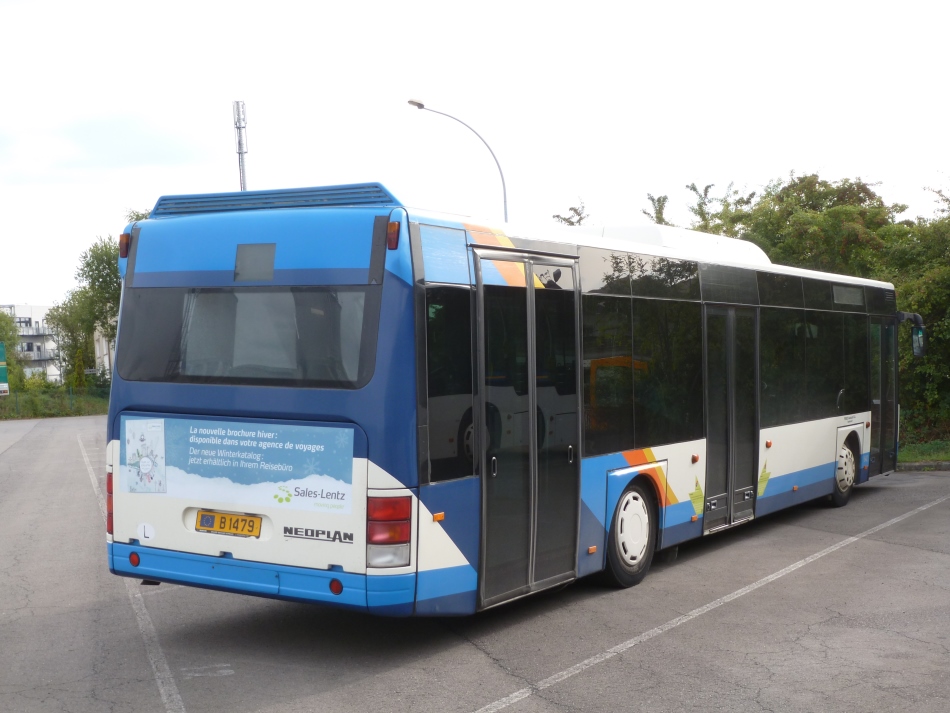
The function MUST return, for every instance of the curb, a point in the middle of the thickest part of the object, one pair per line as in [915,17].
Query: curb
[925,465]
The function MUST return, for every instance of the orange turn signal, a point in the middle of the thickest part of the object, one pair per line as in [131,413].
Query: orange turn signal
[592,549]
[438,516]
[392,236]
[695,458]
[768,444]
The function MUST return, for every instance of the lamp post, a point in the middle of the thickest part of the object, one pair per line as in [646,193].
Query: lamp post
[504,192]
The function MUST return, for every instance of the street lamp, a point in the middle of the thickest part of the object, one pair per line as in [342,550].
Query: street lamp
[504,192]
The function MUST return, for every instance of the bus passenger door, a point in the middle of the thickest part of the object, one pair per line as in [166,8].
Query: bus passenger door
[883,346]
[731,422]
[527,348]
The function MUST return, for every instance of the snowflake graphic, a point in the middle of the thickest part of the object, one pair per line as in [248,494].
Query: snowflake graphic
[342,439]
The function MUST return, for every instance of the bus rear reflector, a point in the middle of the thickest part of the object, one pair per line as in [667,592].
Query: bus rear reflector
[386,509]
[124,241]
[108,503]
[388,533]
[392,236]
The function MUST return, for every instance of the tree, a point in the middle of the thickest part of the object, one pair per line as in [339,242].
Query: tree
[659,206]
[576,215]
[720,216]
[916,258]
[704,219]
[10,336]
[821,225]
[98,273]
[74,325]
[133,216]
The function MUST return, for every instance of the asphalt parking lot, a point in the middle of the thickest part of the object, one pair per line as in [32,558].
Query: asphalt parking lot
[811,609]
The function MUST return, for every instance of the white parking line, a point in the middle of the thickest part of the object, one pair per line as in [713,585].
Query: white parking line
[502,703]
[163,675]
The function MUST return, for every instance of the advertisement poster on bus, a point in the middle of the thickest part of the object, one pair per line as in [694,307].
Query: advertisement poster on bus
[251,464]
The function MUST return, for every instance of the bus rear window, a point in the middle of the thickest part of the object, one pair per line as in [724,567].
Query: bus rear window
[279,336]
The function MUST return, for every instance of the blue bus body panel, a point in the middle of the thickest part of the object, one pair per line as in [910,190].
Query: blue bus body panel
[390,595]
[453,590]
[325,246]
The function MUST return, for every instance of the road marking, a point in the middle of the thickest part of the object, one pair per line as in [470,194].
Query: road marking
[163,675]
[217,669]
[503,703]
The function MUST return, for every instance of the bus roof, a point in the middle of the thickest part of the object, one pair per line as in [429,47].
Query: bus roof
[658,240]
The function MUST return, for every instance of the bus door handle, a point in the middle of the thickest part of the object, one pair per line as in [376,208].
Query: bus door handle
[570,454]
[494,466]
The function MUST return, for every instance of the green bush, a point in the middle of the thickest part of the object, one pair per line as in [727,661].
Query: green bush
[37,400]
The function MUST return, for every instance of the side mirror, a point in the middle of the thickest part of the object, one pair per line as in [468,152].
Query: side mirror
[918,336]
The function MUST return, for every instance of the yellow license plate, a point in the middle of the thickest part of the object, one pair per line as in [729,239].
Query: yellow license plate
[228,523]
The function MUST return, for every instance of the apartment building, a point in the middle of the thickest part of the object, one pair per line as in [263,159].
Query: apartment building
[37,349]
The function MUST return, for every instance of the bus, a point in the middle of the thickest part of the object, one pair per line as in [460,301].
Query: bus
[323,395]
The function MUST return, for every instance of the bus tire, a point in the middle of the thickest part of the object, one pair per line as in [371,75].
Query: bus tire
[632,539]
[845,474]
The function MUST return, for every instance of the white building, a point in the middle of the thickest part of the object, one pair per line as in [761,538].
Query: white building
[37,349]
[105,352]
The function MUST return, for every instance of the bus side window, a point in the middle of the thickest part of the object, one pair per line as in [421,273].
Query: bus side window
[668,371]
[608,382]
[449,376]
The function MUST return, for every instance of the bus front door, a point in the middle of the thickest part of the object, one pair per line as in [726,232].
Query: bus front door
[731,423]
[883,396]
[527,365]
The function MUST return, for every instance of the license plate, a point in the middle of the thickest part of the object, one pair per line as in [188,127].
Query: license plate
[228,523]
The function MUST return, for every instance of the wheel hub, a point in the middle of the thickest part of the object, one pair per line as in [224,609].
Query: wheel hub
[633,529]
[846,469]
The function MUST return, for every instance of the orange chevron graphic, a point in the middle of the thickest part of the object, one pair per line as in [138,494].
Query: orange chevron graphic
[511,272]
[643,456]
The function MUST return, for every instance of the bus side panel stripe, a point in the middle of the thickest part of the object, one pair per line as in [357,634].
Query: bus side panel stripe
[780,490]
[459,502]
[593,534]
[443,582]
[450,604]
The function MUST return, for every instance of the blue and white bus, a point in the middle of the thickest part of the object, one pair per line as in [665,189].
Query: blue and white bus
[323,395]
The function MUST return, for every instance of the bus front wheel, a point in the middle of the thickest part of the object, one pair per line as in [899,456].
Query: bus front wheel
[632,538]
[844,476]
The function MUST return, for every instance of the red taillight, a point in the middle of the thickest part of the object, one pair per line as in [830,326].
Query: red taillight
[387,533]
[124,241]
[109,503]
[134,559]
[392,236]
[336,586]
[382,509]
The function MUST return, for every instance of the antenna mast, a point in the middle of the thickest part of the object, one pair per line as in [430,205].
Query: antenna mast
[240,138]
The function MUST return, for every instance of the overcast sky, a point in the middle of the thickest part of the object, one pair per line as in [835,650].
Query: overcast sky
[104,107]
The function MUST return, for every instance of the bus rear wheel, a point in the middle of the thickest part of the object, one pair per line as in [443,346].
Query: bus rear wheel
[632,538]
[844,476]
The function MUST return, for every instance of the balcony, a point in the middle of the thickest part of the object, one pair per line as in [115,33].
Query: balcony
[35,331]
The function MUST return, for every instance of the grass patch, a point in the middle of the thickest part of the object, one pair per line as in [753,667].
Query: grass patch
[917,452]
[54,402]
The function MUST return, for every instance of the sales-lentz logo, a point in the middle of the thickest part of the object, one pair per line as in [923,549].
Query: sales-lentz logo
[306,533]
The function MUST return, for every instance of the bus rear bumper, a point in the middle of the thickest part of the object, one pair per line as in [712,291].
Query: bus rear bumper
[388,595]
